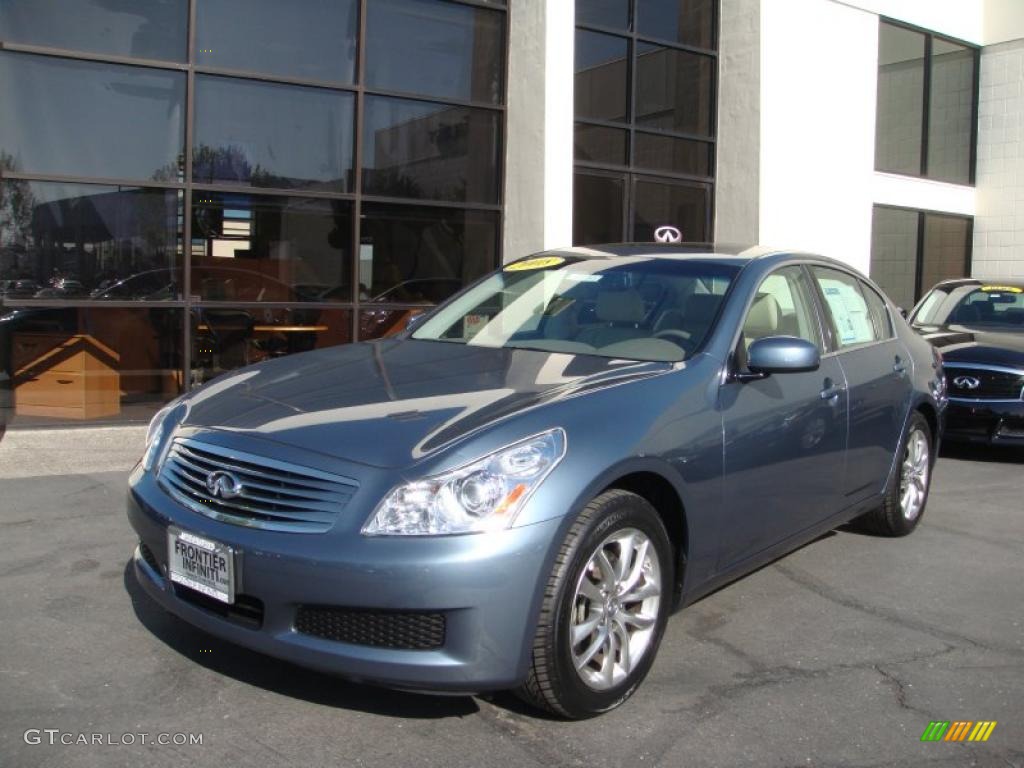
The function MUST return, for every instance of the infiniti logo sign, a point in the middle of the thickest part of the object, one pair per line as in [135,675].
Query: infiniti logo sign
[966,382]
[668,235]
[223,485]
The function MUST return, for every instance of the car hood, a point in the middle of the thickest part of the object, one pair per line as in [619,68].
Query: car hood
[959,343]
[393,402]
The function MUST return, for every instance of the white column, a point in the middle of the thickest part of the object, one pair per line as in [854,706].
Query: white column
[538,155]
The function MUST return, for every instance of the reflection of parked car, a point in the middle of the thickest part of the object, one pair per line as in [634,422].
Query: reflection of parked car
[978,325]
[23,289]
[519,492]
[427,290]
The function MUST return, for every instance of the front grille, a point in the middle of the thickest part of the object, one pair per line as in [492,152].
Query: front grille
[246,611]
[991,383]
[379,629]
[262,492]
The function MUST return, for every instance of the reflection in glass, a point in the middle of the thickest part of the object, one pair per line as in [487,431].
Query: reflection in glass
[601,84]
[84,118]
[435,48]
[420,149]
[598,144]
[255,248]
[603,13]
[947,249]
[423,255]
[82,241]
[665,153]
[87,364]
[690,22]
[225,338]
[597,209]
[950,108]
[144,29]
[683,206]
[674,90]
[272,135]
[900,119]
[894,253]
[311,39]
[385,323]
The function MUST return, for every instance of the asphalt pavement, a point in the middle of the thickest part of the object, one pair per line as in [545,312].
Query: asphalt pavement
[839,654]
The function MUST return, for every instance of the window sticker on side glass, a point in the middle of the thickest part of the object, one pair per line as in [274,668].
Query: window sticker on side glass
[850,312]
[473,324]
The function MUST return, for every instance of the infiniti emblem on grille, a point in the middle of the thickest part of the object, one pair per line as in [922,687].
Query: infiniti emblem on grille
[966,382]
[223,485]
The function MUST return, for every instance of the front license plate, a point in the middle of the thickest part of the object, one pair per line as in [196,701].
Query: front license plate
[201,564]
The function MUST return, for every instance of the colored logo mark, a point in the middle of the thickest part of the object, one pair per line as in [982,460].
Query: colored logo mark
[958,730]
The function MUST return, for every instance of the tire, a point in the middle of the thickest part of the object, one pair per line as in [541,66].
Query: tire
[895,517]
[561,679]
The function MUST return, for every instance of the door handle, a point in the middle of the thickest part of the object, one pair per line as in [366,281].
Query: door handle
[832,391]
[899,367]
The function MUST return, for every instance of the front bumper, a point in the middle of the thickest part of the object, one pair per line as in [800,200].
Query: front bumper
[991,422]
[487,587]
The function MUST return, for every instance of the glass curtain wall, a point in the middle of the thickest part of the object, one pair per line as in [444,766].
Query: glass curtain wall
[189,186]
[645,94]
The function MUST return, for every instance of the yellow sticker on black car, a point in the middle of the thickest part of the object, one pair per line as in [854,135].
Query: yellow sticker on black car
[542,262]
[1003,288]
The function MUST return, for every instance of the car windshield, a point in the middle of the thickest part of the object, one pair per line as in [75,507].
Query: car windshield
[973,305]
[636,308]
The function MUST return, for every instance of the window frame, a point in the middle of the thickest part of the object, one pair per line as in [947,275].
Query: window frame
[187,188]
[631,169]
[929,38]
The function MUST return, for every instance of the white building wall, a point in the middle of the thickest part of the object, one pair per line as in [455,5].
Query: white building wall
[999,223]
[818,82]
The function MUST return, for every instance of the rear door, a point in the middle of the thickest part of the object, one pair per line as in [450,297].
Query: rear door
[785,434]
[878,374]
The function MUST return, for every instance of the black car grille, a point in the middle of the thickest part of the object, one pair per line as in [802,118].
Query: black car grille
[379,629]
[984,384]
[246,611]
[268,494]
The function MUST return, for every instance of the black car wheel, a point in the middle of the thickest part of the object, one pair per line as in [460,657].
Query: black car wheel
[604,609]
[907,494]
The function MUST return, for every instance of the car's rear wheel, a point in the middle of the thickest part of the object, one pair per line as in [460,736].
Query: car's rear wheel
[604,609]
[907,494]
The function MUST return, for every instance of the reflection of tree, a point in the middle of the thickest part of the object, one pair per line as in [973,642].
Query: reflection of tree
[391,182]
[213,164]
[16,204]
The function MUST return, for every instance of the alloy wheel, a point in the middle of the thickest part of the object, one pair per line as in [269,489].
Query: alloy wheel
[914,474]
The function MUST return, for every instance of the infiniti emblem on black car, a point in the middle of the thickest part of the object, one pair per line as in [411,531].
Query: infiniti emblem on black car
[966,382]
[223,485]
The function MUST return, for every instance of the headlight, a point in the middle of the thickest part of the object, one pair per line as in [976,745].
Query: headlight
[483,496]
[155,437]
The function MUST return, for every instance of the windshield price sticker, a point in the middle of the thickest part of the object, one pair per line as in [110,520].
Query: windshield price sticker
[542,262]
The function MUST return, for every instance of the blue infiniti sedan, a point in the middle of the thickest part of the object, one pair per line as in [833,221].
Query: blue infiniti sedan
[516,493]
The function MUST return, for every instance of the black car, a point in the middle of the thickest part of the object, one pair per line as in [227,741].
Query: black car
[978,325]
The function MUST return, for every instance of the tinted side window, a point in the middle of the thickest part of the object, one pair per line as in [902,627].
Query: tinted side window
[879,313]
[846,306]
[782,307]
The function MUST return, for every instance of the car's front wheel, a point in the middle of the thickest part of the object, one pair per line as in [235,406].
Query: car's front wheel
[604,609]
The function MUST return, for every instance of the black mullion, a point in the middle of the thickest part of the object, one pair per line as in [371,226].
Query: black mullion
[186,246]
[97,180]
[926,105]
[101,58]
[242,189]
[357,176]
[975,96]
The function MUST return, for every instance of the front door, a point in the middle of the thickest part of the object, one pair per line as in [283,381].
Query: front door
[877,368]
[785,435]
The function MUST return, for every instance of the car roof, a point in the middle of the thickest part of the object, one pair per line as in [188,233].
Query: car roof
[733,254]
[1014,282]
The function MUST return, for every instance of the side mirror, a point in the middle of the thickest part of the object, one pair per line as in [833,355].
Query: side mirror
[782,354]
[903,313]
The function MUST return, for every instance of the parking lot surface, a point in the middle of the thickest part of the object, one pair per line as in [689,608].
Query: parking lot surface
[839,654]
